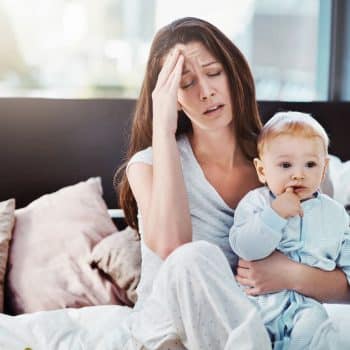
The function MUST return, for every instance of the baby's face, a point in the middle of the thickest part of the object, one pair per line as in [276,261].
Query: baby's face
[293,161]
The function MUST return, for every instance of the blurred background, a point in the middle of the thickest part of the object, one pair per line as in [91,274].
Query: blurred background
[98,48]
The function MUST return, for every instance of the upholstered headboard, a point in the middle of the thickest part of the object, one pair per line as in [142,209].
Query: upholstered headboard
[46,144]
[49,143]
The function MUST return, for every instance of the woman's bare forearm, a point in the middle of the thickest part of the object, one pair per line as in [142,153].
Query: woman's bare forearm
[325,286]
[277,272]
[168,224]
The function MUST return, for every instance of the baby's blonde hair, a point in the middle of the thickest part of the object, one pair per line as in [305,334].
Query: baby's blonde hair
[294,124]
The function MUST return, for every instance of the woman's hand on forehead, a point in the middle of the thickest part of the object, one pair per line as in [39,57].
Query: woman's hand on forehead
[164,95]
[171,68]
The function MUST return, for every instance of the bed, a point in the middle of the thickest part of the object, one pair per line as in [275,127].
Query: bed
[68,245]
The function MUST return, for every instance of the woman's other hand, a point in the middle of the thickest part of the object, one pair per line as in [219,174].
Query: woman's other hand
[268,275]
[164,95]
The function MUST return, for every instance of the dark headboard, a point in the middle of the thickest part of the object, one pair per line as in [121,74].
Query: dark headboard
[46,144]
[50,143]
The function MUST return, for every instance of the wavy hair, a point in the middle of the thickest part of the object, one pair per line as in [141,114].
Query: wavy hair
[246,119]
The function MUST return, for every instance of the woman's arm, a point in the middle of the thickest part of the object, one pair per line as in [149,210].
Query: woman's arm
[278,272]
[160,190]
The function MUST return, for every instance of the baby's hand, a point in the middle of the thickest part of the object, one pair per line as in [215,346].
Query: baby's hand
[287,204]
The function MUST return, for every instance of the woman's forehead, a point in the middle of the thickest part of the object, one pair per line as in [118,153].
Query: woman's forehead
[195,54]
[195,51]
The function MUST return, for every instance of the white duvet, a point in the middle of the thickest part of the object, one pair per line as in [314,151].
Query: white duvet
[95,328]
[104,327]
[98,328]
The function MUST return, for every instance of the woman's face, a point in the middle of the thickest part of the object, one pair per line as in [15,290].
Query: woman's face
[204,93]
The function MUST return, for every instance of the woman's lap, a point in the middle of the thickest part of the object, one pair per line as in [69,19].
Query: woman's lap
[99,327]
[196,299]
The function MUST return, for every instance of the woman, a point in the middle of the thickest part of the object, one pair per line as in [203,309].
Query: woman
[189,163]
[197,110]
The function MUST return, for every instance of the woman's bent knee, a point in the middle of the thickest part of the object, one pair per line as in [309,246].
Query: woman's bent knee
[196,255]
[193,252]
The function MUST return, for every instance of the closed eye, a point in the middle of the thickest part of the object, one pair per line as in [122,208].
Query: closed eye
[214,74]
[186,85]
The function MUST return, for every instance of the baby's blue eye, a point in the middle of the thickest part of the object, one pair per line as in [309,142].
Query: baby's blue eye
[285,165]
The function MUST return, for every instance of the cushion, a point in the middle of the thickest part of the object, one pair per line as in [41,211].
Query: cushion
[52,240]
[119,257]
[7,219]
[339,175]
[327,184]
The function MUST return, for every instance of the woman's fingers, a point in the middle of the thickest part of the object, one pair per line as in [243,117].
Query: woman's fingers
[253,291]
[267,275]
[168,66]
[242,272]
[244,263]
[243,281]
[251,288]
[175,82]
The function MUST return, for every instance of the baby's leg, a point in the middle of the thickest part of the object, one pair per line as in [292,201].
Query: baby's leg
[313,330]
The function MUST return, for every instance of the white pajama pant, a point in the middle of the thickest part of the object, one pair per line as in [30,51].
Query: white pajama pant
[196,304]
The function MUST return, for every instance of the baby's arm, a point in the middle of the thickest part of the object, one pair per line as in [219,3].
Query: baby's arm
[257,228]
[343,260]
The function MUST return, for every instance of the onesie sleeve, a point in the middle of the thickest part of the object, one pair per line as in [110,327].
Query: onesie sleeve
[343,260]
[257,228]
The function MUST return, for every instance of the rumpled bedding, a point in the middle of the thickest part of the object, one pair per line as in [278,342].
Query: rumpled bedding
[99,328]
[88,328]
[105,327]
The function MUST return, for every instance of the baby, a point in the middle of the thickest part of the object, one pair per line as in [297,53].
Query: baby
[291,215]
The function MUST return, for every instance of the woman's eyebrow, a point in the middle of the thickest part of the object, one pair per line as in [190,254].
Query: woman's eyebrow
[209,63]
[185,71]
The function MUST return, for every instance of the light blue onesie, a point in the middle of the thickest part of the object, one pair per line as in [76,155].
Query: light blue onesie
[321,238]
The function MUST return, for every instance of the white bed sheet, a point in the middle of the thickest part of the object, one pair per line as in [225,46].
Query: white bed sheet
[98,328]
[95,328]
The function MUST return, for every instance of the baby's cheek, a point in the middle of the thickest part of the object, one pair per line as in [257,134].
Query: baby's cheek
[276,189]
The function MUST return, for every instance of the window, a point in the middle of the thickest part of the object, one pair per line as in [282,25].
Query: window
[88,48]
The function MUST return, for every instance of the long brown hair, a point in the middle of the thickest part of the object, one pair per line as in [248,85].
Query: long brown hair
[247,122]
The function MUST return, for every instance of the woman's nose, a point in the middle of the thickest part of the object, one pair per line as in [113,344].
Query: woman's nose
[206,91]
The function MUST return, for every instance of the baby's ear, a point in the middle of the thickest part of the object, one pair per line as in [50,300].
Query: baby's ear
[326,163]
[259,166]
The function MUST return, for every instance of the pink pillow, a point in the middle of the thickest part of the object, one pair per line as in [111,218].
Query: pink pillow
[49,256]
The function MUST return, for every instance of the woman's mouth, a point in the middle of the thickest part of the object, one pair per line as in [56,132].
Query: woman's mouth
[213,110]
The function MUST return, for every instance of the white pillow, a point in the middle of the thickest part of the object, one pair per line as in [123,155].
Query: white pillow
[339,173]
